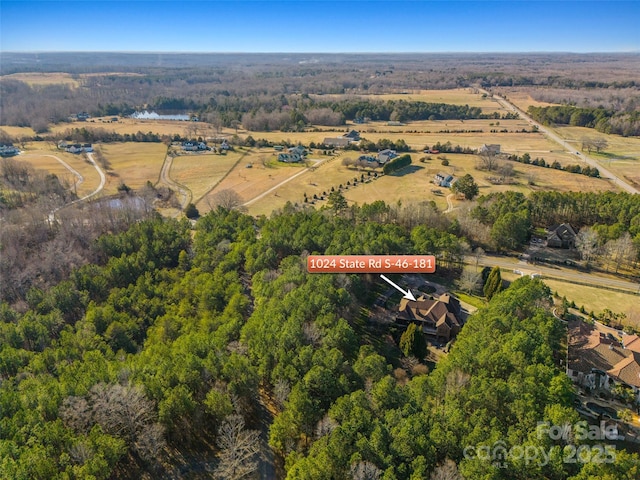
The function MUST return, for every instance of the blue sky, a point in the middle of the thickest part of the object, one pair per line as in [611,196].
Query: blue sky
[312,26]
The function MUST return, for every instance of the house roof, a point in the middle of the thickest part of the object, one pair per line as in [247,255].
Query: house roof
[564,231]
[337,142]
[353,134]
[590,349]
[627,370]
[435,312]
[631,342]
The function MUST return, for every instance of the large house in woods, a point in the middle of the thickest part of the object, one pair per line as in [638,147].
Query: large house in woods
[440,318]
[597,360]
[561,236]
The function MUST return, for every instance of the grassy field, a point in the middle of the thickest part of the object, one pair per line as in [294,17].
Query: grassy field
[523,99]
[249,183]
[413,184]
[35,78]
[592,298]
[36,154]
[132,163]
[201,172]
[128,125]
[17,132]
[622,156]
[458,96]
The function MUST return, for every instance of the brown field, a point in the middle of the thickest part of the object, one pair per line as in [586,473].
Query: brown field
[413,184]
[57,78]
[34,78]
[593,298]
[132,163]
[201,172]
[126,125]
[252,182]
[523,99]
[35,154]
[622,156]
[458,96]
[17,132]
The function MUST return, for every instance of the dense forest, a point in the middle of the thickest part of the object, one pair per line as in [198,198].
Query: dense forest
[282,92]
[166,353]
[625,123]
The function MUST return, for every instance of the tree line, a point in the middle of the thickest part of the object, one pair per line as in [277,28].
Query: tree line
[601,119]
[169,340]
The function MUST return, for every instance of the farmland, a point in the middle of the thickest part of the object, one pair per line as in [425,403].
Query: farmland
[269,185]
[38,154]
[132,164]
[413,184]
[622,156]
[201,172]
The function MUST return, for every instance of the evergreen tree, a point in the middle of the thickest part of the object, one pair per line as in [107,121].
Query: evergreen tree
[467,186]
[412,342]
[191,211]
[493,284]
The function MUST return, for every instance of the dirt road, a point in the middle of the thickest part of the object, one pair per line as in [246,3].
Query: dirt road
[165,177]
[80,179]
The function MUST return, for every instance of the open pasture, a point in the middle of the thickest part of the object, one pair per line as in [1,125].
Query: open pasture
[414,183]
[521,97]
[457,96]
[128,125]
[622,156]
[43,79]
[37,155]
[201,172]
[316,181]
[249,183]
[132,163]
[17,132]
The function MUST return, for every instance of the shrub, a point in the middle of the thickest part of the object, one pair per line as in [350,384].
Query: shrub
[397,163]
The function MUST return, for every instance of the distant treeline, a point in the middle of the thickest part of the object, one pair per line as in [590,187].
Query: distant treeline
[604,120]
[102,135]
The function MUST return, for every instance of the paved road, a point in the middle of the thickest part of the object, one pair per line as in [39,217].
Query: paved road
[604,173]
[589,279]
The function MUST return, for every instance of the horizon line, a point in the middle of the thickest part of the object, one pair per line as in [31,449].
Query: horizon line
[196,52]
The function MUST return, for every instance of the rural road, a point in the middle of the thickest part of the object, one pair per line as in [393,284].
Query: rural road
[449,203]
[165,177]
[559,273]
[564,143]
[103,181]
[78,175]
